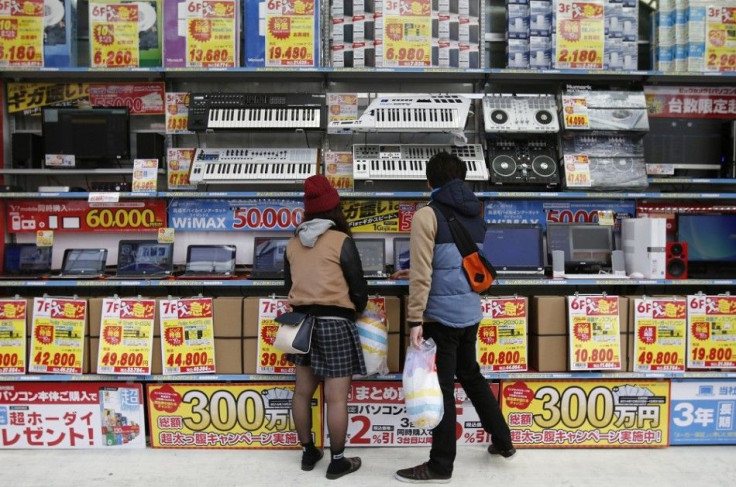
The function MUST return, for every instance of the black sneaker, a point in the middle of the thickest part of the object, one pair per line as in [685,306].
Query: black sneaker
[309,460]
[421,474]
[507,454]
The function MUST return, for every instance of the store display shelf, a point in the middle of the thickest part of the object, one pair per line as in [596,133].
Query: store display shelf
[390,377]
[72,195]
[704,181]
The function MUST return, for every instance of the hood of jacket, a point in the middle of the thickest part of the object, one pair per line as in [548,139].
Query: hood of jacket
[459,197]
[309,231]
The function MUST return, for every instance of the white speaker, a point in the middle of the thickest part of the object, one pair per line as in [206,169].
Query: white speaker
[618,263]
[558,263]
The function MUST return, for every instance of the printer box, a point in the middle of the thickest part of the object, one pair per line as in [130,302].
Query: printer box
[150,15]
[60,34]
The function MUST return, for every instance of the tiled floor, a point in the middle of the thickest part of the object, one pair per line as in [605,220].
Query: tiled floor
[703,466]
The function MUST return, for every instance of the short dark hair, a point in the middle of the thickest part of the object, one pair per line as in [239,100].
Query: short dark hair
[443,168]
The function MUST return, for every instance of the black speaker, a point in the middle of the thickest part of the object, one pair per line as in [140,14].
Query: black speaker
[150,145]
[27,151]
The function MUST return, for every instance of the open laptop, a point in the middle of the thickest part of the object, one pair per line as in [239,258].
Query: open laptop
[373,257]
[144,259]
[26,261]
[268,257]
[210,262]
[401,254]
[83,264]
[516,250]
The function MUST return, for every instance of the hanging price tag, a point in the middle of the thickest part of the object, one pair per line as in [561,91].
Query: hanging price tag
[177,113]
[211,33]
[290,33]
[659,333]
[178,162]
[594,329]
[580,34]
[113,35]
[21,33]
[270,359]
[407,33]
[57,343]
[126,336]
[187,336]
[13,313]
[577,171]
[502,344]
[711,334]
[145,175]
[720,38]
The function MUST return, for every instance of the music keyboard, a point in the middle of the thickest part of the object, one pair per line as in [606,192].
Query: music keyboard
[220,166]
[419,113]
[240,111]
[404,161]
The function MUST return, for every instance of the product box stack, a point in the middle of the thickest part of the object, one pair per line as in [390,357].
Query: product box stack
[405,34]
[548,339]
[60,33]
[518,34]
[664,36]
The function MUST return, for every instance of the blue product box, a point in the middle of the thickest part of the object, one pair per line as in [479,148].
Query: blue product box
[60,33]
[255,24]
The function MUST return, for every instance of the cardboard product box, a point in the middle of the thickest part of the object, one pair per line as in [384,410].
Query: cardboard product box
[157,367]
[250,335]
[228,317]
[395,326]
[548,315]
[150,26]
[548,353]
[255,24]
[94,313]
[228,355]
[94,353]
[60,34]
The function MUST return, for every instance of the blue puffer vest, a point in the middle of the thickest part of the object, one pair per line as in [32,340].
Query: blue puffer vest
[451,301]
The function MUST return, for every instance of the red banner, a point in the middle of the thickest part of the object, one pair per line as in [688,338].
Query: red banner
[691,102]
[140,98]
[81,216]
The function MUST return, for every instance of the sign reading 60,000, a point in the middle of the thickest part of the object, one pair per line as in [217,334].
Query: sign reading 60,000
[82,216]
[254,415]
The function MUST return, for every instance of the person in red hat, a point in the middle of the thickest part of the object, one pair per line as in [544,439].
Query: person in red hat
[324,277]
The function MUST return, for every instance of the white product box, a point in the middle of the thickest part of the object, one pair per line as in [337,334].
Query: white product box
[517,21]
[518,53]
[540,52]
[540,17]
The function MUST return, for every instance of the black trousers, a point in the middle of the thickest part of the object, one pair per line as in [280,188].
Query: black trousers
[456,357]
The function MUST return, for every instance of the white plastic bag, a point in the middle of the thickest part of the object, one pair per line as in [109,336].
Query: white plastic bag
[373,333]
[422,393]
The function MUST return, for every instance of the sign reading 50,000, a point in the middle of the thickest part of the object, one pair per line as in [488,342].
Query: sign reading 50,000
[82,216]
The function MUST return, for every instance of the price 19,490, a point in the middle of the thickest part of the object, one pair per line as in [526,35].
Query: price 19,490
[291,53]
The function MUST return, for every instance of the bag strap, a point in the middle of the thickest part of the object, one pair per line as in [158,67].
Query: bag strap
[460,235]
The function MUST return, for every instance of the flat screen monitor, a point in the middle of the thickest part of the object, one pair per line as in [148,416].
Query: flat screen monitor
[584,244]
[710,238]
[372,256]
[402,260]
[269,252]
[92,134]
[211,258]
[514,247]
[144,257]
[26,259]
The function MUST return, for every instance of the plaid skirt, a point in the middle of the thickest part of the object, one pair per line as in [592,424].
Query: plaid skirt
[336,350]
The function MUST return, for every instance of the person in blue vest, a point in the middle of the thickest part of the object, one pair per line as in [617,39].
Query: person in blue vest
[442,306]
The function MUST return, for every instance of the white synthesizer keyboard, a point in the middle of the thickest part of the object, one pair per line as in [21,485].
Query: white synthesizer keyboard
[419,113]
[404,161]
[215,166]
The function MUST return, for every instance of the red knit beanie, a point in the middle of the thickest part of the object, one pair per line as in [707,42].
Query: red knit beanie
[319,195]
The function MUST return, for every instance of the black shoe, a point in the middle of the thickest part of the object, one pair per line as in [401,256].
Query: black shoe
[354,465]
[310,460]
[421,474]
[507,454]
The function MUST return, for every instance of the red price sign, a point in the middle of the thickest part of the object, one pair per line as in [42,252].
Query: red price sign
[132,359]
[189,359]
[209,55]
[404,54]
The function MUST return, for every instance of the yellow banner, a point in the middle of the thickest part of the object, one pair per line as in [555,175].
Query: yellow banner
[57,343]
[720,39]
[407,41]
[33,96]
[605,413]
[595,332]
[114,35]
[380,216]
[211,35]
[270,359]
[13,314]
[126,336]
[712,337]
[187,336]
[237,416]
[502,344]
[580,34]
[21,33]
[660,329]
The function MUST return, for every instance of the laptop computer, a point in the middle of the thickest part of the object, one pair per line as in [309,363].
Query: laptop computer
[516,250]
[210,262]
[144,259]
[26,261]
[268,257]
[401,254]
[83,264]
[373,257]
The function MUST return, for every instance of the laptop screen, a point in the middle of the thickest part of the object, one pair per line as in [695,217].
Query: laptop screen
[372,255]
[268,253]
[144,257]
[217,259]
[26,259]
[514,247]
[401,254]
[84,261]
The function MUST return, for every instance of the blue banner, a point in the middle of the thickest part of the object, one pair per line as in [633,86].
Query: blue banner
[542,211]
[703,412]
[222,215]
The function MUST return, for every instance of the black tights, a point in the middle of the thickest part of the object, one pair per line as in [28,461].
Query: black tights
[336,398]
